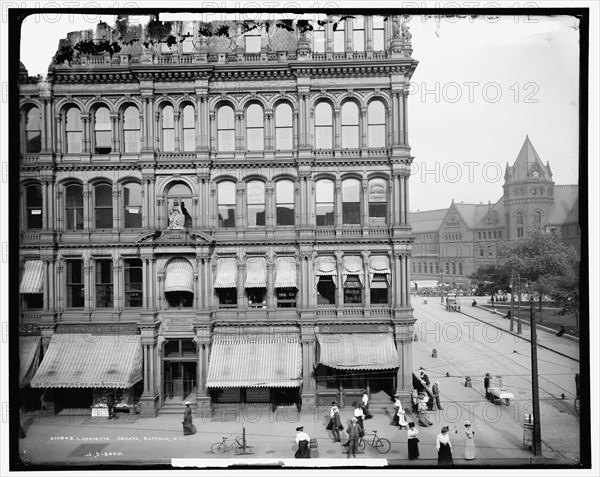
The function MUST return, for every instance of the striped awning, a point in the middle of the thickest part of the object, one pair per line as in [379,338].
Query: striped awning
[226,273]
[379,264]
[358,350]
[254,361]
[285,272]
[352,265]
[77,360]
[256,272]
[179,276]
[33,277]
[326,266]
[29,358]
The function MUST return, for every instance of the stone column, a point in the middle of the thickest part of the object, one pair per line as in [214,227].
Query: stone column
[212,132]
[405,114]
[202,340]
[271,296]
[296,131]
[308,395]
[176,117]
[405,200]
[241,278]
[404,338]
[46,297]
[397,279]
[88,285]
[114,126]
[270,206]
[118,290]
[366,278]
[240,206]
[59,134]
[239,134]
[338,203]
[146,282]
[51,205]
[337,129]
[85,120]
[404,281]
[158,146]
[116,205]
[363,128]
[269,130]
[365,201]
[340,279]
[400,200]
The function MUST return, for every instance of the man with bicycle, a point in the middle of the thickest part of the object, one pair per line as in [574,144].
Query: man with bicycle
[354,433]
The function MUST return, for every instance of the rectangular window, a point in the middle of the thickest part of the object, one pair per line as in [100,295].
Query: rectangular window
[132,141]
[34,141]
[32,301]
[339,38]
[253,43]
[351,213]
[319,40]
[326,291]
[256,203]
[133,283]
[378,34]
[226,216]
[286,297]
[75,293]
[189,140]
[257,297]
[353,291]
[104,284]
[519,232]
[358,34]
[379,290]
[74,140]
[324,214]
[227,297]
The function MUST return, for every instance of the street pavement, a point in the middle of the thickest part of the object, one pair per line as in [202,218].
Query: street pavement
[133,441]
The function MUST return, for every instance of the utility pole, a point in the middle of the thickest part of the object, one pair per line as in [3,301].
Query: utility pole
[537,432]
[519,328]
[512,301]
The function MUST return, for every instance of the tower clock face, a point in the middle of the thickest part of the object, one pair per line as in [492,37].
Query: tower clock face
[535,174]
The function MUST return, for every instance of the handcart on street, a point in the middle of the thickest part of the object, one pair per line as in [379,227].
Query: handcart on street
[498,392]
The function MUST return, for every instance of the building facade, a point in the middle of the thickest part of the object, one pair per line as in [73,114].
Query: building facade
[452,243]
[217,219]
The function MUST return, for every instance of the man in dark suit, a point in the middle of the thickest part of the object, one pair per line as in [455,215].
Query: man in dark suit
[486,385]
[110,403]
[354,432]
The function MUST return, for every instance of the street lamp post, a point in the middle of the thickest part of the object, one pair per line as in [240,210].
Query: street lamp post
[441,286]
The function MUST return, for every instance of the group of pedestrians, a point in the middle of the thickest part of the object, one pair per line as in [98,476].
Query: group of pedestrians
[356,427]
[442,443]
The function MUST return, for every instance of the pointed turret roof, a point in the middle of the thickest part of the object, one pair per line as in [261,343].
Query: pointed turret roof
[528,162]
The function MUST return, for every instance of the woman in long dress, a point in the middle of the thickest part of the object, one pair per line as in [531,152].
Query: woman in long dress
[413,441]
[303,441]
[470,452]
[444,448]
[188,427]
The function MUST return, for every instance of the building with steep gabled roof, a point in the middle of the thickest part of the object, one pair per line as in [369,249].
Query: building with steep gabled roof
[451,243]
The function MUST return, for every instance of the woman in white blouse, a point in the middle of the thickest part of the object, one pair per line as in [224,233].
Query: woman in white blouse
[413,441]
[444,448]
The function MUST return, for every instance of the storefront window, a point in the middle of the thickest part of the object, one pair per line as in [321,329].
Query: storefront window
[179,299]
[379,290]
[326,291]
[227,297]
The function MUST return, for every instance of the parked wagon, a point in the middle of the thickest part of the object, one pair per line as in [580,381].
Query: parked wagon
[500,394]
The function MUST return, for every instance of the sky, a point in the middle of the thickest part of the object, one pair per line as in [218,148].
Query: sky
[480,87]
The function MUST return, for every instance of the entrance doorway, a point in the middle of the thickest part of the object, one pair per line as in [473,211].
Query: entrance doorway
[180,364]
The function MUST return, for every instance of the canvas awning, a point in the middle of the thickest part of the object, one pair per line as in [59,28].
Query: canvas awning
[285,272]
[326,266]
[179,276]
[267,360]
[29,358]
[256,272]
[226,273]
[379,264]
[357,350]
[33,277]
[352,265]
[83,360]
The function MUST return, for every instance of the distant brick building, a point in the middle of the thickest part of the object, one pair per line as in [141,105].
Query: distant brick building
[217,219]
[451,243]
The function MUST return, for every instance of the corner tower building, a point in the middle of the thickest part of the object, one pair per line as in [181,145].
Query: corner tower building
[217,219]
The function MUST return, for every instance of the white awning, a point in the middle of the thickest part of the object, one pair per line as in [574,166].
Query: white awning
[380,264]
[353,265]
[256,272]
[179,276]
[326,267]
[285,272]
[226,273]
[33,277]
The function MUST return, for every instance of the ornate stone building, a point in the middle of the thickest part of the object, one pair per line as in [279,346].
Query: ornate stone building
[451,243]
[217,219]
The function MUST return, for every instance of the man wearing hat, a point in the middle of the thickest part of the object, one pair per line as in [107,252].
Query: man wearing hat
[188,426]
[354,432]
[335,423]
[303,441]
[486,385]
[435,389]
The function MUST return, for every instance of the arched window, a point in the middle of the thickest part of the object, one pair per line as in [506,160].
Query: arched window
[358,34]
[283,127]
[460,268]
[73,130]
[226,201]
[453,268]
[378,34]
[131,130]
[225,129]
[325,206]
[33,131]
[256,203]
[376,131]
[377,200]
[351,202]
[323,126]
[284,196]
[519,224]
[255,130]
[447,268]
[413,267]
[339,39]
[420,270]
[74,207]
[33,205]
[168,129]
[188,128]
[537,218]
[431,268]
[102,131]
[132,205]
[179,199]
[103,210]
[479,235]
[350,133]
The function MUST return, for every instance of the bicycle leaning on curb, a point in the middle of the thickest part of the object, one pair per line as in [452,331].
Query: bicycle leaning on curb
[382,445]
[236,444]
